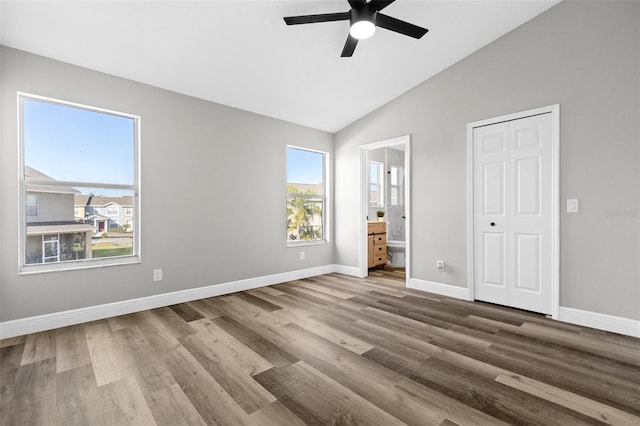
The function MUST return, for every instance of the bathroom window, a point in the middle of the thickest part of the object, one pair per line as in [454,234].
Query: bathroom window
[306,196]
[75,160]
[394,186]
[376,184]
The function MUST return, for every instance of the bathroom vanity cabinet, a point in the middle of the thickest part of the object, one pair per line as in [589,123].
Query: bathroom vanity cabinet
[377,234]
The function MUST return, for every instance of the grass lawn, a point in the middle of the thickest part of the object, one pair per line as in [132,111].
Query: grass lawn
[110,250]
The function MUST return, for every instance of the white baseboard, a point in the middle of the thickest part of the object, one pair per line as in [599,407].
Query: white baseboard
[45,322]
[50,321]
[440,288]
[604,322]
[347,270]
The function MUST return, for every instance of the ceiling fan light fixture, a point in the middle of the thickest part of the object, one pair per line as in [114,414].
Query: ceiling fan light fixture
[362,29]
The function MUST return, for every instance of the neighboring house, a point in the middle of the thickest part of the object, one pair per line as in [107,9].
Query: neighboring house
[105,213]
[53,235]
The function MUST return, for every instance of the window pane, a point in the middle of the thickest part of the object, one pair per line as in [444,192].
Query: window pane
[304,218]
[394,196]
[374,171]
[73,144]
[32,204]
[394,175]
[33,249]
[305,195]
[103,212]
[374,195]
[305,169]
[72,246]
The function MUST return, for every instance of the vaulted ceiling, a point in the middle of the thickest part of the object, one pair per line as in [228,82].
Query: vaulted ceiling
[241,53]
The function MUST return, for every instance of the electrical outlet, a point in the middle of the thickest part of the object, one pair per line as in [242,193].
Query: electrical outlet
[302,255]
[157,274]
[572,205]
[440,265]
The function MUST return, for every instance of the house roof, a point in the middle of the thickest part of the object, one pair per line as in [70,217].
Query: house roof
[32,174]
[82,199]
[58,228]
[98,216]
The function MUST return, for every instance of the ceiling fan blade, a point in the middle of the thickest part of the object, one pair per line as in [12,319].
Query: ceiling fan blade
[380,4]
[323,17]
[402,27]
[349,47]
[356,3]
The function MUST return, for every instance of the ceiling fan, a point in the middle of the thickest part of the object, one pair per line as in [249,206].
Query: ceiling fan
[364,17]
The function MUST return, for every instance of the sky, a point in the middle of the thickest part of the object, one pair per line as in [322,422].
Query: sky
[74,144]
[304,166]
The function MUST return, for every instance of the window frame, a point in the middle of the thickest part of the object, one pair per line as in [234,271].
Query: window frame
[25,268]
[325,198]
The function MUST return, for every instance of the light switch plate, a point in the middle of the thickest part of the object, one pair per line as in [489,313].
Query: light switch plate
[572,205]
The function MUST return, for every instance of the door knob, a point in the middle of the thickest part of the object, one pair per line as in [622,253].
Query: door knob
[493,224]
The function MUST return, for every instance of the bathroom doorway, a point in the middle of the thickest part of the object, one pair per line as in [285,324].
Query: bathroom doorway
[385,178]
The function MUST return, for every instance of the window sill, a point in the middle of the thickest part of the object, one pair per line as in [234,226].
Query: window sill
[306,243]
[45,268]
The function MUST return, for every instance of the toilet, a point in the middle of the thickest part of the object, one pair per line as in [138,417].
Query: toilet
[395,253]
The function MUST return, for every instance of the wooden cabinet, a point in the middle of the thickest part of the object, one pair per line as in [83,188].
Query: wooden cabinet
[377,243]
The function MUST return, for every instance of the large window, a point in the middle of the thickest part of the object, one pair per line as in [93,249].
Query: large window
[76,159]
[306,196]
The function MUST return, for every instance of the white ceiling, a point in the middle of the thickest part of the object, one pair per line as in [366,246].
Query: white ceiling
[241,54]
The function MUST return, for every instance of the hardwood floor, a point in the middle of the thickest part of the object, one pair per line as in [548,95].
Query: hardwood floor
[329,350]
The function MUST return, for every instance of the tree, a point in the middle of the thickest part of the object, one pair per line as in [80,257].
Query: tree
[301,210]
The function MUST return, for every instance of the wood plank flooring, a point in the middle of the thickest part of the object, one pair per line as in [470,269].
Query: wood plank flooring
[329,350]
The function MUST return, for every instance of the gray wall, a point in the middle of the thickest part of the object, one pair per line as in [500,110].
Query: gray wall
[213,191]
[584,56]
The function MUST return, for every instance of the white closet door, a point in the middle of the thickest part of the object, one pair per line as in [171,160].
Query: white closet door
[512,213]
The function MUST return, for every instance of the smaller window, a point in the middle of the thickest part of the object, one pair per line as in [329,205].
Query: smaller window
[306,196]
[375,184]
[32,205]
[128,211]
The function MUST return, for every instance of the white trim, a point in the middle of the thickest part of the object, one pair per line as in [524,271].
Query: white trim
[440,288]
[364,205]
[604,322]
[554,110]
[347,270]
[45,322]
[50,321]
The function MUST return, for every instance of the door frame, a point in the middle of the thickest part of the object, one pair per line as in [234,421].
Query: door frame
[554,110]
[364,171]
